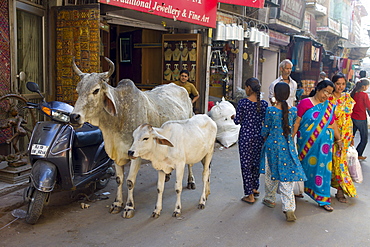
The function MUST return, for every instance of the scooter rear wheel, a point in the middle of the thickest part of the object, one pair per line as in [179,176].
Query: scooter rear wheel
[35,206]
[101,184]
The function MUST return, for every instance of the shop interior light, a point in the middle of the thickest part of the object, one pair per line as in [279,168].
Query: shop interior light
[258,37]
[235,31]
[253,35]
[265,37]
[247,33]
[262,38]
[240,32]
[229,32]
[267,40]
[220,31]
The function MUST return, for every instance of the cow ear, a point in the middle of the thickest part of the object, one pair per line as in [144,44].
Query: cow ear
[109,104]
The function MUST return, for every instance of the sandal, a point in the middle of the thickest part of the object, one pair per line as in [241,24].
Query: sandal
[256,193]
[245,199]
[290,216]
[299,196]
[341,198]
[327,208]
[268,203]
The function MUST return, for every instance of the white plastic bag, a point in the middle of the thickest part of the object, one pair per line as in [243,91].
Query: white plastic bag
[354,165]
[227,130]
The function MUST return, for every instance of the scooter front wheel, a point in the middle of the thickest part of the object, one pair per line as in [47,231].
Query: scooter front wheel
[35,206]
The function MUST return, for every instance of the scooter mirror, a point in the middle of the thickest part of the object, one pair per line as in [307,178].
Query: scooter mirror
[33,87]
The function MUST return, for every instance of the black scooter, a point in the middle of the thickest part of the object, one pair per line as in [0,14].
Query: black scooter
[62,158]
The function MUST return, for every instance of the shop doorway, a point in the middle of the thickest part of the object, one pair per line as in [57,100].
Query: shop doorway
[29,48]
[269,71]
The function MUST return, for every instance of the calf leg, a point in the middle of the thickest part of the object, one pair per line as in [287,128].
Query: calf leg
[191,179]
[129,210]
[206,184]
[160,189]
[178,188]
[117,205]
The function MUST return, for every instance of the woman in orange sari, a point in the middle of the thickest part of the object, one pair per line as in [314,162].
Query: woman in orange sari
[341,179]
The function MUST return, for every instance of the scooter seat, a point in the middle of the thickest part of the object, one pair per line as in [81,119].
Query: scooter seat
[87,135]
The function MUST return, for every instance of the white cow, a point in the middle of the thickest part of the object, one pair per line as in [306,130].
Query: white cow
[118,112]
[172,146]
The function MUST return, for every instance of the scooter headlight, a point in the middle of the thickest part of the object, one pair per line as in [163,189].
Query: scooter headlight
[60,116]
[56,115]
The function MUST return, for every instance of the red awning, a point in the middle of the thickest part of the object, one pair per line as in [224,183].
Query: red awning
[248,3]
[193,11]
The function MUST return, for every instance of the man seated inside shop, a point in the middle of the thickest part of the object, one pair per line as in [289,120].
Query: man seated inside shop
[184,82]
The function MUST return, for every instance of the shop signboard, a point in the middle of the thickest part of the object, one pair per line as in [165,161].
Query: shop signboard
[345,32]
[279,38]
[334,26]
[292,12]
[248,3]
[200,12]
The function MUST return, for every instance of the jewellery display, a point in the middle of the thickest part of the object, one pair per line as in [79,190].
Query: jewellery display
[192,73]
[193,55]
[176,73]
[185,54]
[180,53]
[168,54]
[176,53]
[168,73]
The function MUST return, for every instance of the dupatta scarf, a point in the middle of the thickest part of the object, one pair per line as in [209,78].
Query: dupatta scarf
[315,141]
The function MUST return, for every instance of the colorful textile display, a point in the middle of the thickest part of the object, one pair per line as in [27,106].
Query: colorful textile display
[78,35]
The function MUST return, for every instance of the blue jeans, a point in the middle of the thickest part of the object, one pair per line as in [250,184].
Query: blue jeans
[361,125]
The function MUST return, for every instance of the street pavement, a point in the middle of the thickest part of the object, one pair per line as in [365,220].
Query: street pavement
[225,221]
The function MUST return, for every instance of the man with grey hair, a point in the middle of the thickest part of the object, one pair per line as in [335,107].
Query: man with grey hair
[323,76]
[285,68]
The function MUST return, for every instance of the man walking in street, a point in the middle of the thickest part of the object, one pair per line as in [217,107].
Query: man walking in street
[323,76]
[285,68]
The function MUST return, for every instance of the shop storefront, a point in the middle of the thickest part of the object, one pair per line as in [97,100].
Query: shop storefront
[271,58]
[149,43]
[306,55]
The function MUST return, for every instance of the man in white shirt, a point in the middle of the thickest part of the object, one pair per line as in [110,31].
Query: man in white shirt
[285,68]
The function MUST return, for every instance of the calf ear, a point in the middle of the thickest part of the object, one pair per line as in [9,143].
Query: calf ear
[164,141]
[109,103]
[161,139]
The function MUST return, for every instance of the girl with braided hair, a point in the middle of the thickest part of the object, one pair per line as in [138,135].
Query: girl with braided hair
[283,166]
[250,114]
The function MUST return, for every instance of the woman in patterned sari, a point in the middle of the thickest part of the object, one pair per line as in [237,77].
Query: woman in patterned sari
[316,131]
[341,179]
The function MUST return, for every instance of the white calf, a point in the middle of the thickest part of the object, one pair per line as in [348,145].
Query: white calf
[172,146]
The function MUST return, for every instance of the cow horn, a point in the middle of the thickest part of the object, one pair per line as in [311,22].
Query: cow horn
[75,68]
[111,67]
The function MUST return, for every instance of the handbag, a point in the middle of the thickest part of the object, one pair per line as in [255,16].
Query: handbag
[354,165]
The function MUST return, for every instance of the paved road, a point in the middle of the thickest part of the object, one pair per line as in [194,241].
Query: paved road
[226,220]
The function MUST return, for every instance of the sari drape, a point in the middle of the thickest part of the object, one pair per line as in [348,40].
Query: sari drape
[341,179]
[315,141]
